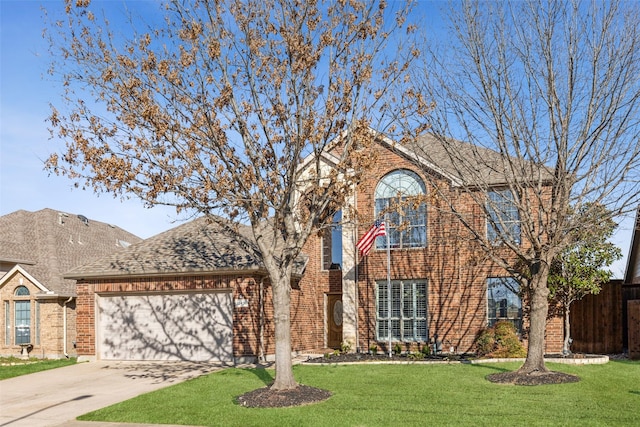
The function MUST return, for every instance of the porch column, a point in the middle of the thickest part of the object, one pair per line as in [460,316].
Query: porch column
[349,283]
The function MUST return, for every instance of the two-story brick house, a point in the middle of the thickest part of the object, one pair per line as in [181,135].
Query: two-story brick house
[192,293]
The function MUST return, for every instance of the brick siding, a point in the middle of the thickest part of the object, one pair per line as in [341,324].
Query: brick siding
[454,268]
[48,323]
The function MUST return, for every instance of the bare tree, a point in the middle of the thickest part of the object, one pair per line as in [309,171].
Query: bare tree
[552,87]
[213,108]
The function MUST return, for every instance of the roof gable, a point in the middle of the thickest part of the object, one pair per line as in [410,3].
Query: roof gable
[18,269]
[55,242]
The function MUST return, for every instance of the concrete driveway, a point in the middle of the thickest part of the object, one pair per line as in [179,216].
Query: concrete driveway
[57,396]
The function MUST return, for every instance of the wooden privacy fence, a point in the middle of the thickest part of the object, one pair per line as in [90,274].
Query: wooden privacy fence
[633,310]
[597,323]
[601,323]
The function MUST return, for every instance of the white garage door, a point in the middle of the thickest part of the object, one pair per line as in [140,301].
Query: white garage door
[187,326]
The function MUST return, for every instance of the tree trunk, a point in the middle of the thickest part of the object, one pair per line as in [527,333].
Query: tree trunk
[538,322]
[284,379]
[567,331]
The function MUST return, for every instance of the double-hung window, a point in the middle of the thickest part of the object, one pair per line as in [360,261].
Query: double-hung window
[504,302]
[397,199]
[408,316]
[504,218]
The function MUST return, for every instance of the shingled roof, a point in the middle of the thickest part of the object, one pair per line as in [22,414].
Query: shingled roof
[48,243]
[196,247]
[465,164]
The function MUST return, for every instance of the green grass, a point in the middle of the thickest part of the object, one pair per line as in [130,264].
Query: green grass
[13,367]
[398,395]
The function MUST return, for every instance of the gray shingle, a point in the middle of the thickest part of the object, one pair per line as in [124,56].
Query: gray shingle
[48,243]
[197,247]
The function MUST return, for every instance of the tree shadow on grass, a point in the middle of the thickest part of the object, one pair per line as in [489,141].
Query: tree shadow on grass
[263,374]
[491,366]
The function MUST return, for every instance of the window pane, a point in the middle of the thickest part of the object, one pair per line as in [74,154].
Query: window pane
[503,302]
[421,300]
[383,301]
[409,311]
[504,219]
[23,322]
[336,239]
[395,300]
[395,330]
[407,303]
[21,291]
[411,219]
[408,333]
[383,330]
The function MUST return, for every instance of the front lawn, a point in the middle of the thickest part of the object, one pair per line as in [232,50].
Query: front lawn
[398,395]
[13,367]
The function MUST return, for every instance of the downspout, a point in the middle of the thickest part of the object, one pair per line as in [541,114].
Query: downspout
[261,356]
[64,327]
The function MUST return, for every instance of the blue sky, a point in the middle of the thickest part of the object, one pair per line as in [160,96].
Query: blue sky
[25,93]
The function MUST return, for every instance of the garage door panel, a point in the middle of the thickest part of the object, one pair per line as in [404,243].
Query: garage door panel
[195,327]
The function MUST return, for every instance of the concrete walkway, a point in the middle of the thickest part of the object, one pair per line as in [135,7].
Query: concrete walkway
[57,396]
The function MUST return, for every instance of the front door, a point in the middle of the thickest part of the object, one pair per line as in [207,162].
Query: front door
[334,320]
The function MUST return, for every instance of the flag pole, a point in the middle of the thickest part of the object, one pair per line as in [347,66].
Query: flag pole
[388,229]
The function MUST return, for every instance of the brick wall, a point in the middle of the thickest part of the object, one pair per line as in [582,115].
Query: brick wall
[455,268]
[47,327]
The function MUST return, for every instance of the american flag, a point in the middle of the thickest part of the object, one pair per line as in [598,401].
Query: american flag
[365,243]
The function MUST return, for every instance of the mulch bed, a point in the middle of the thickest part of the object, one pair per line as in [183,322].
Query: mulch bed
[534,378]
[267,398]
[379,357]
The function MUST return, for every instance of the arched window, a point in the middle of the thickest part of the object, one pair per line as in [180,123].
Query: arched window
[22,315]
[21,291]
[406,222]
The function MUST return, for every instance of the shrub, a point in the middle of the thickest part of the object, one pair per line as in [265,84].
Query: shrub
[486,342]
[397,349]
[501,340]
[426,350]
[417,355]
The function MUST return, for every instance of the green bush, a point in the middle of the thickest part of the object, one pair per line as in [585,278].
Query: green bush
[486,342]
[426,350]
[501,340]
[397,349]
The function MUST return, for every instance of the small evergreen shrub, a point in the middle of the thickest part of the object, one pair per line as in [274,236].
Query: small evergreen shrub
[397,349]
[501,340]
[485,343]
[426,350]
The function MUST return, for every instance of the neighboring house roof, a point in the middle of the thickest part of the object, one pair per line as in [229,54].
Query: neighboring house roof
[48,243]
[197,247]
[632,274]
